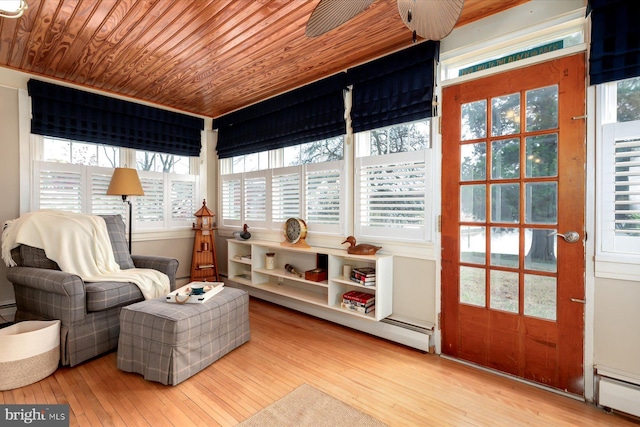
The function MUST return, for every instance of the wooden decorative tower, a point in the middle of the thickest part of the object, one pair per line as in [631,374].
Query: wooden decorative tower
[204,266]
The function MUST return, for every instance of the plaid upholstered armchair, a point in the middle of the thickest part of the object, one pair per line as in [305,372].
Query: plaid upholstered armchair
[89,312]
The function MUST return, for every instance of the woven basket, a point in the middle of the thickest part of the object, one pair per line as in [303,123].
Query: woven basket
[29,352]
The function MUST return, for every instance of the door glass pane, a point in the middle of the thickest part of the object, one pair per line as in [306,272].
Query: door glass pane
[505,159]
[540,248]
[473,203]
[473,162]
[540,296]
[472,286]
[542,108]
[505,203]
[542,155]
[504,290]
[473,246]
[505,115]
[505,246]
[541,203]
[474,120]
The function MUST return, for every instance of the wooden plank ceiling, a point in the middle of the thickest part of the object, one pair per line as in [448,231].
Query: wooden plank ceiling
[206,57]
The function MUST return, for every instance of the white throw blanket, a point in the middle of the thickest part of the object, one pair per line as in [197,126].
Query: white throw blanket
[80,244]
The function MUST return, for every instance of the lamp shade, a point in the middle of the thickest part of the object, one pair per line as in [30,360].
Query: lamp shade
[125,182]
[12,8]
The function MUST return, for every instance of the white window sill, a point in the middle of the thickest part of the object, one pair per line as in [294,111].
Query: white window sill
[627,269]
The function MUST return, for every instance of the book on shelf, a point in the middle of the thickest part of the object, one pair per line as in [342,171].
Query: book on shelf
[246,257]
[364,271]
[363,310]
[359,296]
[363,278]
[362,282]
[358,304]
[246,276]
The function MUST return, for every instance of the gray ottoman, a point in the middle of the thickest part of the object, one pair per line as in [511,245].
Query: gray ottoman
[169,342]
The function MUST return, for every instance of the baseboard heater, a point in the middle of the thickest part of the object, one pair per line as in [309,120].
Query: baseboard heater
[619,395]
[410,326]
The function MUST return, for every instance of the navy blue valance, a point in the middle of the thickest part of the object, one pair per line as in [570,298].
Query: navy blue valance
[395,89]
[615,40]
[64,112]
[310,113]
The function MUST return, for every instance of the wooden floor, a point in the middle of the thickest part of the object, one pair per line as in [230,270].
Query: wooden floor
[398,385]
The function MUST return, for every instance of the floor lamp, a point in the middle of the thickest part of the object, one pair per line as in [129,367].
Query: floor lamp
[125,182]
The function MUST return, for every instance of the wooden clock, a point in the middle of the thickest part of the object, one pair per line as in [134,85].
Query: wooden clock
[295,233]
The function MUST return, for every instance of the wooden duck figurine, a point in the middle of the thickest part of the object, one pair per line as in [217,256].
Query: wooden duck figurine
[244,234]
[362,248]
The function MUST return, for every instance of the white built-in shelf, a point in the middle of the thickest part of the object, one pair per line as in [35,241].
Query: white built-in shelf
[328,293]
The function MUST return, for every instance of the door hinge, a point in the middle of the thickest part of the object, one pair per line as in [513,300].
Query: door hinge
[439,321]
[439,223]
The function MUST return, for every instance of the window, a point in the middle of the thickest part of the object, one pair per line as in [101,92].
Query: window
[74,176]
[159,162]
[533,41]
[619,172]
[391,190]
[303,180]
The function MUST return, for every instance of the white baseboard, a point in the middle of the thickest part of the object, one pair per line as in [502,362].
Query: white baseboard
[7,311]
[619,395]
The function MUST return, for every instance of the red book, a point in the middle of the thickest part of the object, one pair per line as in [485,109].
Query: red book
[359,296]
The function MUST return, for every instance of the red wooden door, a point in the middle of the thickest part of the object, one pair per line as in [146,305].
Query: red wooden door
[513,181]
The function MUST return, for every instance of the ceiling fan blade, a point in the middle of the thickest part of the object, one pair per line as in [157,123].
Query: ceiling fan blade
[430,19]
[330,14]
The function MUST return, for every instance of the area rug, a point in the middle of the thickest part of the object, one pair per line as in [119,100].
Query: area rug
[308,407]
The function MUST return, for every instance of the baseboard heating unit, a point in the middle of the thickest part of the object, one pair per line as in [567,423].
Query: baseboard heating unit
[619,395]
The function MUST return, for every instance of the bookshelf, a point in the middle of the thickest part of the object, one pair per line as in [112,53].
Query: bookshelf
[247,266]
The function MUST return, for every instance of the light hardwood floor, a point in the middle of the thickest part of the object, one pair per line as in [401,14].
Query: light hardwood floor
[398,385]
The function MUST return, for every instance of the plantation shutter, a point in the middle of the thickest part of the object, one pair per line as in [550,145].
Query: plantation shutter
[183,193]
[149,209]
[60,186]
[392,195]
[255,198]
[324,187]
[101,204]
[231,199]
[620,176]
[286,194]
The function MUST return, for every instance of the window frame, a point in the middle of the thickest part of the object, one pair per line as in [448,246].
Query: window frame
[612,260]
[270,223]
[166,228]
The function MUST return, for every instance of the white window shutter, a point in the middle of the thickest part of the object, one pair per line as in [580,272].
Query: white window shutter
[101,203]
[324,196]
[286,195]
[183,196]
[619,202]
[256,204]
[391,196]
[231,200]
[149,209]
[60,186]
